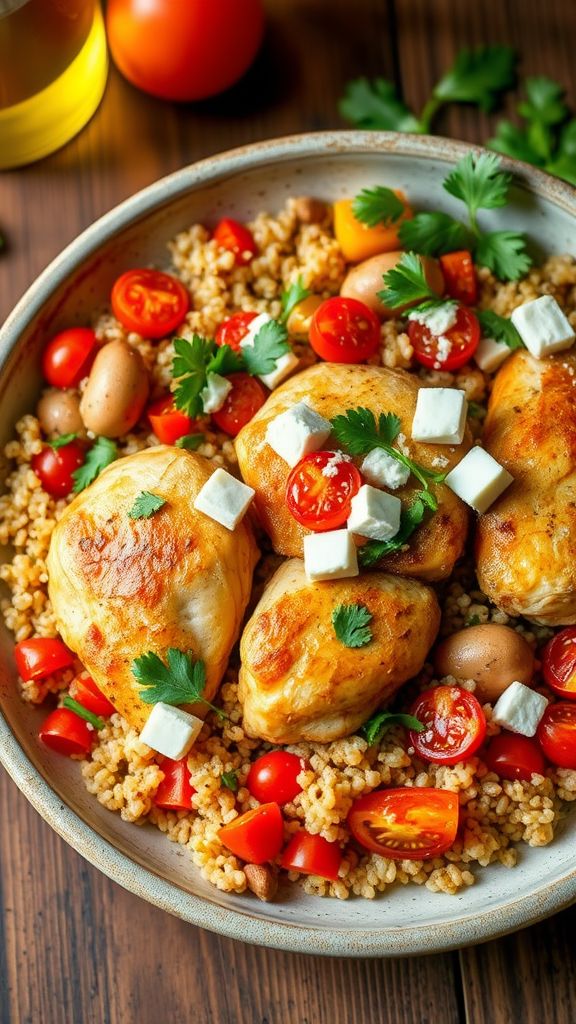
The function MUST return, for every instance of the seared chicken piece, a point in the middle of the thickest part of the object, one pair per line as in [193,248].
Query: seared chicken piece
[331,389]
[121,587]
[298,681]
[526,542]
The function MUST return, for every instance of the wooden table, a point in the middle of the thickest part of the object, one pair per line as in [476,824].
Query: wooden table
[74,947]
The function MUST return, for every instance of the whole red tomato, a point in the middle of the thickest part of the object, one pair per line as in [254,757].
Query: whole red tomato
[184,49]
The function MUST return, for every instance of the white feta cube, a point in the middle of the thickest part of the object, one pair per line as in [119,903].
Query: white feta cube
[440,416]
[170,731]
[519,709]
[383,470]
[478,479]
[490,354]
[543,326]
[224,498]
[297,432]
[284,365]
[214,394]
[330,556]
[374,514]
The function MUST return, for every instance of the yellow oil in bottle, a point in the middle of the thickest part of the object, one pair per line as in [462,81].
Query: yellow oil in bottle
[53,68]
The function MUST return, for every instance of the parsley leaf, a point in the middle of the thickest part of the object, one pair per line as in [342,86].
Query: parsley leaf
[499,327]
[504,253]
[376,105]
[375,727]
[406,283]
[479,182]
[100,455]
[189,367]
[224,361]
[295,294]
[145,505]
[190,441]
[181,681]
[269,345]
[82,712]
[410,519]
[350,623]
[230,780]
[378,205]
[434,233]
[478,76]
[60,442]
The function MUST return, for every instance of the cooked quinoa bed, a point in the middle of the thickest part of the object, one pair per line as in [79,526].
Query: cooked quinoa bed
[124,774]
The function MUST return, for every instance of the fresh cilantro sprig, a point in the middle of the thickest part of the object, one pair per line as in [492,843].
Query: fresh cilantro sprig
[410,519]
[434,233]
[378,205]
[230,781]
[145,505]
[189,367]
[290,298]
[181,681]
[351,624]
[547,136]
[477,76]
[62,441]
[376,726]
[270,344]
[82,712]
[406,283]
[499,327]
[190,441]
[101,454]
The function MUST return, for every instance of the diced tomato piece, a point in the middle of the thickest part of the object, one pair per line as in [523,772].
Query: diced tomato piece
[149,302]
[460,276]
[514,757]
[84,690]
[414,823]
[241,403]
[232,331]
[167,422]
[55,467]
[462,341]
[274,776]
[318,500]
[454,724]
[66,733]
[559,663]
[557,734]
[344,330]
[256,836]
[236,237]
[175,792]
[68,356]
[41,656]
[312,855]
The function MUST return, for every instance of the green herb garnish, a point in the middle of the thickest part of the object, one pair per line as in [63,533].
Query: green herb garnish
[62,441]
[295,294]
[547,138]
[375,727]
[230,781]
[181,681]
[190,441]
[83,712]
[224,360]
[432,234]
[378,205]
[350,623]
[189,367]
[498,327]
[101,454]
[474,620]
[145,505]
[410,519]
[406,283]
[269,345]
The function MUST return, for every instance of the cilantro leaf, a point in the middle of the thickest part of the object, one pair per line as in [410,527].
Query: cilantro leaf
[189,368]
[190,441]
[543,110]
[60,442]
[512,141]
[410,519]
[145,505]
[434,233]
[375,104]
[230,781]
[378,205]
[563,163]
[291,297]
[478,76]
[350,622]
[406,283]
[479,182]
[375,727]
[499,327]
[224,361]
[504,253]
[181,681]
[269,345]
[100,455]
[82,712]
[357,430]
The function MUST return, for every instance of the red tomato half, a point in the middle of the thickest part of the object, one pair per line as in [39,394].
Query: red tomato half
[514,757]
[463,340]
[405,824]
[167,422]
[274,776]
[312,855]
[344,331]
[317,500]
[175,792]
[66,733]
[559,663]
[149,302]
[454,724]
[241,403]
[557,734]
[236,237]
[233,330]
[460,277]
[54,467]
[68,356]
[41,656]
[256,836]
[84,690]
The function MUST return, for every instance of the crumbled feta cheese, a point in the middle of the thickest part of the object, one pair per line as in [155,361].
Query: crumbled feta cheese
[284,365]
[440,416]
[214,394]
[519,709]
[336,459]
[383,470]
[170,731]
[224,498]
[440,462]
[443,350]
[490,354]
[437,319]
[543,326]
[374,514]
[330,556]
[297,432]
[402,446]
[478,479]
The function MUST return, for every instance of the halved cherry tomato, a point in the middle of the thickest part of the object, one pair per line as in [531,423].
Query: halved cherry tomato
[167,422]
[84,690]
[344,331]
[557,734]
[405,824]
[559,663]
[256,836]
[514,757]
[231,331]
[41,656]
[274,776]
[454,724]
[175,792]
[312,855]
[236,237]
[460,277]
[66,733]
[241,403]
[68,356]
[150,302]
[320,500]
[54,467]
[463,340]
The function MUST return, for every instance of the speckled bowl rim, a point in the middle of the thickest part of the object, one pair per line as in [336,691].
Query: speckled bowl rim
[548,898]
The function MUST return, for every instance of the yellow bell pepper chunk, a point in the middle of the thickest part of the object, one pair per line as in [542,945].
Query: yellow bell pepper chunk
[357,241]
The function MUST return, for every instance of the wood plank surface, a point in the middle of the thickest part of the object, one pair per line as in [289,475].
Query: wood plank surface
[74,947]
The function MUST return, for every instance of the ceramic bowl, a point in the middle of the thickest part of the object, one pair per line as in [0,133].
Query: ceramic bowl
[409,919]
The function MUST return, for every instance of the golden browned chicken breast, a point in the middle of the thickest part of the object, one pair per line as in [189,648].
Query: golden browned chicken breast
[299,681]
[526,542]
[330,389]
[121,587]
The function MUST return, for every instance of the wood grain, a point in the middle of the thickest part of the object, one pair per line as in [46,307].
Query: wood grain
[74,947]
